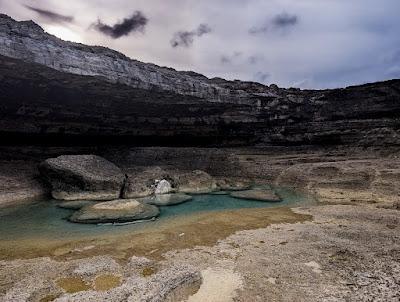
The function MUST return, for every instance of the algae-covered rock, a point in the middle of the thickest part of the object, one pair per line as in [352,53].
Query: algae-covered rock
[116,211]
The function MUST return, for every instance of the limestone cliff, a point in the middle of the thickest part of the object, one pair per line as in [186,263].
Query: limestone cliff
[52,91]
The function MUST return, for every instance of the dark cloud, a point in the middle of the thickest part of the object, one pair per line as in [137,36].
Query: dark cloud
[186,38]
[285,20]
[136,22]
[51,16]
[281,21]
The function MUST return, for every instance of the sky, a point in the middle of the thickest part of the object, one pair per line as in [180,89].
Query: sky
[291,43]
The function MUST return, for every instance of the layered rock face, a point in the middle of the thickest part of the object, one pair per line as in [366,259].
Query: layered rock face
[56,89]
[27,41]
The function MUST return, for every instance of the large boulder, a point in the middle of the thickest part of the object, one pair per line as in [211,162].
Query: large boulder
[116,211]
[142,183]
[194,182]
[257,194]
[167,199]
[82,177]
[154,181]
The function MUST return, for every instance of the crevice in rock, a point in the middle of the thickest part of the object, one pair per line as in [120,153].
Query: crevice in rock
[121,192]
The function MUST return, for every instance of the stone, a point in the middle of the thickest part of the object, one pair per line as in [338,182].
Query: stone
[178,107]
[82,177]
[163,187]
[194,182]
[257,194]
[142,183]
[75,204]
[20,183]
[167,199]
[115,211]
[231,184]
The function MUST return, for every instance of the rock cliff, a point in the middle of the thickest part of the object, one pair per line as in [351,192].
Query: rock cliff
[54,91]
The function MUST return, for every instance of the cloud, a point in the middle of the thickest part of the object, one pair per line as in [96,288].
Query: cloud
[51,16]
[254,59]
[278,22]
[186,38]
[134,23]
[285,20]
[261,77]
[229,59]
[225,59]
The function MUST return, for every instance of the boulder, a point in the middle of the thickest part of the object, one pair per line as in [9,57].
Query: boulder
[231,184]
[155,180]
[194,182]
[167,199]
[116,211]
[82,177]
[163,187]
[144,183]
[257,194]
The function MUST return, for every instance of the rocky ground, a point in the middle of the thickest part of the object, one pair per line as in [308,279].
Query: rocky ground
[345,253]
[344,249]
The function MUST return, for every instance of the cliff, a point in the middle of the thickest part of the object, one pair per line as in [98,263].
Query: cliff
[52,91]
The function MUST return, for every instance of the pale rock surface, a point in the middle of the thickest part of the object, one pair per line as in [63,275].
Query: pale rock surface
[163,187]
[82,177]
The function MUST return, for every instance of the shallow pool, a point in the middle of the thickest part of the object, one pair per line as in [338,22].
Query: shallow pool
[45,220]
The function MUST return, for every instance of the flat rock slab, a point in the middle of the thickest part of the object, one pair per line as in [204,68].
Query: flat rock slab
[75,204]
[167,199]
[116,211]
[257,194]
[82,177]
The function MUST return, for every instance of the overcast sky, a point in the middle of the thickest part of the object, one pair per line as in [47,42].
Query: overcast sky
[301,43]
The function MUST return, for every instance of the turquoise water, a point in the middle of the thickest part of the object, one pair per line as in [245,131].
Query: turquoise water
[45,219]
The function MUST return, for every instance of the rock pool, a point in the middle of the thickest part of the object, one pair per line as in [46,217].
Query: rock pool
[42,224]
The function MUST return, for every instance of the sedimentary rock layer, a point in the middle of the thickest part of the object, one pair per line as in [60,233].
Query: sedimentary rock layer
[63,92]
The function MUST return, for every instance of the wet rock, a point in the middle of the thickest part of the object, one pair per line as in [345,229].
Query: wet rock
[75,204]
[116,211]
[220,193]
[257,194]
[82,177]
[194,182]
[167,199]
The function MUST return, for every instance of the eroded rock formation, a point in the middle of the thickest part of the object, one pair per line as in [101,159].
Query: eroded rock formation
[66,92]
[83,177]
